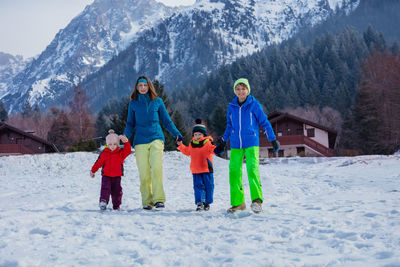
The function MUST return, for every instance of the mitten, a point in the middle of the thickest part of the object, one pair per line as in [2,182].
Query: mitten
[275,146]
[220,149]
[178,138]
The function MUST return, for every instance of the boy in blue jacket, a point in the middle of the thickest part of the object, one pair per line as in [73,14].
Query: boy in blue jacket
[244,117]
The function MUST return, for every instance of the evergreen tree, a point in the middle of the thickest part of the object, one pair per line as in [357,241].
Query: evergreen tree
[170,142]
[60,130]
[3,112]
[169,139]
[37,114]
[218,121]
[118,121]
[101,125]
[347,139]
[27,110]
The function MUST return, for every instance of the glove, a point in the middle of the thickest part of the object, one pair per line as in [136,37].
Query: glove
[220,149]
[178,139]
[275,146]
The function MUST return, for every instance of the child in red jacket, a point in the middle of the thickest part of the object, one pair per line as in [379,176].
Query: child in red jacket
[112,162]
[200,151]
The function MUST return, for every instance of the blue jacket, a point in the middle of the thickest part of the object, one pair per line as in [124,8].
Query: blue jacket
[242,127]
[144,116]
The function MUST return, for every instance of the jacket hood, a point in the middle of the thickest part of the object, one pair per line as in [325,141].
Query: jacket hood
[249,100]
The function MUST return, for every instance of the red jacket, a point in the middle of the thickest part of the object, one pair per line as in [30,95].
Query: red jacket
[112,161]
[201,154]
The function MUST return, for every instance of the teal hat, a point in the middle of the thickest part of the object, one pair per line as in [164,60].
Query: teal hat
[244,81]
[199,127]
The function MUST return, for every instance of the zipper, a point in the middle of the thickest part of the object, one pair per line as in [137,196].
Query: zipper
[251,119]
[240,126]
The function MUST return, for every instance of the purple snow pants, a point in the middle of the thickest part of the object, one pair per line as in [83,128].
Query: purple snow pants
[111,186]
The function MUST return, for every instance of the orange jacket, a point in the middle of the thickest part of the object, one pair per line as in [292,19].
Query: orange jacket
[200,153]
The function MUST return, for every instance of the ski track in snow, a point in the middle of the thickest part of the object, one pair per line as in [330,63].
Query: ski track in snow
[317,212]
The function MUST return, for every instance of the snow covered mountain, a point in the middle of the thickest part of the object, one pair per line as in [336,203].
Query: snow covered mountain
[184,48]
[10,66]
[89,41]
[176,48]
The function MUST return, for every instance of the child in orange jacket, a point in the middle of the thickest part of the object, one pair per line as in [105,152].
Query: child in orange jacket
[200,151]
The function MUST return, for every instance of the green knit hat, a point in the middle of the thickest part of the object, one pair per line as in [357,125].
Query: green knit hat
[244,81]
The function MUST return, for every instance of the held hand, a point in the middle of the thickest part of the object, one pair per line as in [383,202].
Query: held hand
[178,140]
[123,138]
[275,146]
[91,174]
[220,149]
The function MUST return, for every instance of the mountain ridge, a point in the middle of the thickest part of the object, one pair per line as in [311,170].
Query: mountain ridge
[178,48]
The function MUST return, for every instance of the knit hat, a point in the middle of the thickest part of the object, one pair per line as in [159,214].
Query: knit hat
[244,81]
[112,136]
[199,127]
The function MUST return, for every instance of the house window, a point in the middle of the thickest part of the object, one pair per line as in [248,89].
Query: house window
[300,151]
[311,132]
[271,153]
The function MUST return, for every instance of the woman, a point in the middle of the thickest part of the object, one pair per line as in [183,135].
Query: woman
[244,117]
[146,111]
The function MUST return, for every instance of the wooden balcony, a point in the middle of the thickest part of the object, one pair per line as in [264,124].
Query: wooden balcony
[7,149]
[298,140]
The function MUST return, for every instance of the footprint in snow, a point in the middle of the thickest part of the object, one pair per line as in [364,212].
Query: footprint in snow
[39,231]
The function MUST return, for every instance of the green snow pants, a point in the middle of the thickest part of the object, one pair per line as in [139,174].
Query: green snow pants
[149,162]
[253,173]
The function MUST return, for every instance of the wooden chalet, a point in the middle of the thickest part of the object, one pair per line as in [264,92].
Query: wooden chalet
[298,137]
[15,141]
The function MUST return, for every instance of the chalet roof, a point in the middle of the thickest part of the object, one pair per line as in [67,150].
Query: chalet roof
[278,115]
[29,135]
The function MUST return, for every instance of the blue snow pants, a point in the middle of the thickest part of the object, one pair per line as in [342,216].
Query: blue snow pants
[203,185]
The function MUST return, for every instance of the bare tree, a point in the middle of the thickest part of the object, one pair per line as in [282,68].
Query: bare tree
[378,104]
[327,117]
[82,119]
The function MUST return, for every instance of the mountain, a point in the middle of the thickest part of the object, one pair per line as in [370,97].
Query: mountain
[183,49]
[90,40]
[9,66]
[381,15]
[177,48]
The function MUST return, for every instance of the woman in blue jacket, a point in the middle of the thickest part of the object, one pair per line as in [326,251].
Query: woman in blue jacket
[146,111]
[244,117]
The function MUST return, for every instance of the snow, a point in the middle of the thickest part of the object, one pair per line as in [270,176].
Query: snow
[317,212]
[40,88]
[333,4]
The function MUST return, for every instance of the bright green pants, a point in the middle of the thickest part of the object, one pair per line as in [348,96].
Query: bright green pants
[253,173]
[149,162]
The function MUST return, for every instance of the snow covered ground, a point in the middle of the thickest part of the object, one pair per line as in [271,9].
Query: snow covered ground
[317,212]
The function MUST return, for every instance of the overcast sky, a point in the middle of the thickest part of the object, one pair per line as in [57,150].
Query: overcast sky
[28,26]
